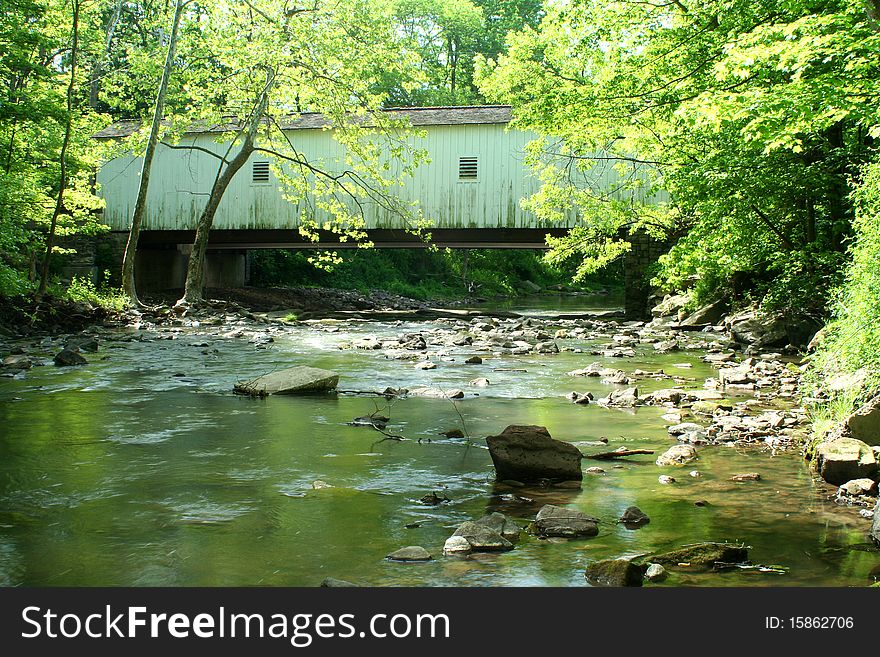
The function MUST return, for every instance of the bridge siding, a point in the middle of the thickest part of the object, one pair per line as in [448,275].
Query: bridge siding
[181,180]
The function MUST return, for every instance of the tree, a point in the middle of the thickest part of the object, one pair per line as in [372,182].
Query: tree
[269,57]
[751,116]
[128,262]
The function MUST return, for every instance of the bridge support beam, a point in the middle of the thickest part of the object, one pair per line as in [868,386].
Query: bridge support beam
[638,265]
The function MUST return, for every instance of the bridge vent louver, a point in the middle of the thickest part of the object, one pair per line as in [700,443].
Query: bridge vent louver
[260,173]
[467,168]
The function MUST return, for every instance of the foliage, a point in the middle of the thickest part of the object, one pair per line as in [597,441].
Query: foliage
[36,50]
[735,125]
[420,274]
[84,290]
[850,346]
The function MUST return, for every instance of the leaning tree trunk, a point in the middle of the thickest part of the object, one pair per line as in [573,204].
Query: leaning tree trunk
[62,158]
[195,274]
[140,205]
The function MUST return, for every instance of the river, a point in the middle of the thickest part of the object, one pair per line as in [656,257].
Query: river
[143,469]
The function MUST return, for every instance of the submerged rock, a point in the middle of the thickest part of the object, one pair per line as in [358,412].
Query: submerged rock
[410,553]
[701,555]
[567,523]
[528,453]
[614,572]
[843,459]
[290,381]
[502,524]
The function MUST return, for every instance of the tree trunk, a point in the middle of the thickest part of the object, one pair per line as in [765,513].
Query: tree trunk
[62,158]
[140,206]
[195,274]
[98,69]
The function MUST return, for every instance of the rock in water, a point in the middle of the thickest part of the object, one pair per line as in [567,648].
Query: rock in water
[528,453]
[567,523]
[290,381]
[701,555]
[677,455]
[67,357]
[864,424]
[843,459]
[502,524]
[410,553]
[332,583]
[656,573]
[634,516]
[614,572]
[481,538]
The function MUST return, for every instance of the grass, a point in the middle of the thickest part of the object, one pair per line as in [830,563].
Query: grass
[85,291]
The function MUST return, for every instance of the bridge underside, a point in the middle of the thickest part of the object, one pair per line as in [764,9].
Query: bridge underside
[453,238]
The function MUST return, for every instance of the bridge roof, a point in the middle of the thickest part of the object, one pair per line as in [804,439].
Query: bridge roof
[418,116]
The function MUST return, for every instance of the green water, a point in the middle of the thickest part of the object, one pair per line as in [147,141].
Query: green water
[121,473]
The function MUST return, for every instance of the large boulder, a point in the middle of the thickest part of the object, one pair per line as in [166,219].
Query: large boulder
[528,453]
[711,313]
[843,459]
[566,523]
[701,556]
[864,424]
[290,381]
[615,572]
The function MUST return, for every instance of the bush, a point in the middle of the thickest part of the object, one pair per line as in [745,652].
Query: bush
[851,341]
[85,291]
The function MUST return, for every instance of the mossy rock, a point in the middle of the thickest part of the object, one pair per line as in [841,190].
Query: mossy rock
[615,572]
[700,556]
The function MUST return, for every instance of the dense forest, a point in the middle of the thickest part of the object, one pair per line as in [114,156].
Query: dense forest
[757,121]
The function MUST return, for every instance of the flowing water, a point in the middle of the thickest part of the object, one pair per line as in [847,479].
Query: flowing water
[143,469]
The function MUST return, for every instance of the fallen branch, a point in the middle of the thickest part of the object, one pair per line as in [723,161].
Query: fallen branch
[618,453]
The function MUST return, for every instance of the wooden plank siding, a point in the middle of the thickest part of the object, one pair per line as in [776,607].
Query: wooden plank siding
[181,179]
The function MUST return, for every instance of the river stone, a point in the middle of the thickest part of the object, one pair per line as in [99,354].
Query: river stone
[17,361]
[457,545]
[683,428]
[333,583]
[858,487]
[68,357]
[656,573]
[290,381]
[83,343]
[410,553]
[701,555]
[677,455]
[843,459]
[436,393]
[500,523]
[474,360]
[614,572]
[864,424]
[634,516]
[567,523]
[528,453]
[482,538]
